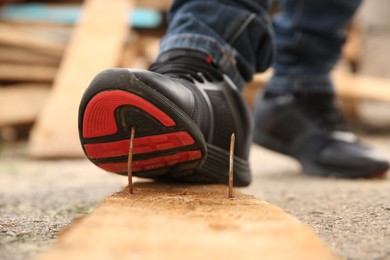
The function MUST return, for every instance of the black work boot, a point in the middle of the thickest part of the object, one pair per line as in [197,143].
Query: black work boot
[311,129]
[184,111]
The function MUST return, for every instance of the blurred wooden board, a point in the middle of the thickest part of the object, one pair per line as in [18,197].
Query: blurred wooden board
[20,104]
[162,5]
[353,48]
[31,73]
[162,221]
[347,85]
[140,52]
[22,56]
[47,41]
[96,44]
[361,87]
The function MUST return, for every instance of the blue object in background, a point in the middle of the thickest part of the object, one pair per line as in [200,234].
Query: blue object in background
[34,12]
[40,13]
[145,18]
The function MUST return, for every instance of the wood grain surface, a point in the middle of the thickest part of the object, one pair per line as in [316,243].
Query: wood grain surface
[171,221]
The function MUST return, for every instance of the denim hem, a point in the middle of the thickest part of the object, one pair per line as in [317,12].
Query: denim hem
[300,83]
[223,55]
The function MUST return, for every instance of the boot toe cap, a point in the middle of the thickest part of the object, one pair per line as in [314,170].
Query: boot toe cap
[354,159]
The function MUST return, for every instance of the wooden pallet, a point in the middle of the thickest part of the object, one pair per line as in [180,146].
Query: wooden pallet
[162,221]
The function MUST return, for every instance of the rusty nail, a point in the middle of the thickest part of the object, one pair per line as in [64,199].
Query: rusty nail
[231,160]
[130,160]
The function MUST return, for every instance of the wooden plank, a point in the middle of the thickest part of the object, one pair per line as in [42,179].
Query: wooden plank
[162,5]
[22,56]
[347,85]
[96,45]
[253,87]
[162,221]
[140,52]
[20,104]
[361,87]
[352,49]
[32,73]
[28,38]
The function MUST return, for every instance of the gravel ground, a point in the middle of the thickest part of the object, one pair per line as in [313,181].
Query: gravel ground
[352,216]
[39,198]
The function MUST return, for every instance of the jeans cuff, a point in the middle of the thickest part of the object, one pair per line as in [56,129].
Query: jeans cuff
[300,84]
[222,55]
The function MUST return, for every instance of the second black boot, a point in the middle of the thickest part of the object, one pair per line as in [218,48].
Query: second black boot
[310,128]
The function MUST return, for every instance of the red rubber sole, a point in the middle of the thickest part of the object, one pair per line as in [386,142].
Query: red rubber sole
[153,163]
[99,121]
[99,118]
[378,175]
[141,145]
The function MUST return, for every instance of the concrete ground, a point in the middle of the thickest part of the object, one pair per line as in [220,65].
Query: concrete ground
[352,216]
[38,198]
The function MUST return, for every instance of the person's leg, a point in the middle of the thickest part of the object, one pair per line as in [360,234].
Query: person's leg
[297,114]
[235,33]
[186,107]
[309,38]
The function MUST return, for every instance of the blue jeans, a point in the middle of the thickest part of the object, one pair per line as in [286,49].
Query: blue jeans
[303,42]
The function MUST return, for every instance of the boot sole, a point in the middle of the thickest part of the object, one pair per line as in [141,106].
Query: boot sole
[166,139]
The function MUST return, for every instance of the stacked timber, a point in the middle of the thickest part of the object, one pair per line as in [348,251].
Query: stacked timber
[30,54]
[34,38]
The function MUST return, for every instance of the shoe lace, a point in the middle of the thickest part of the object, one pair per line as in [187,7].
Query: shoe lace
[189,67]
[324,110]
